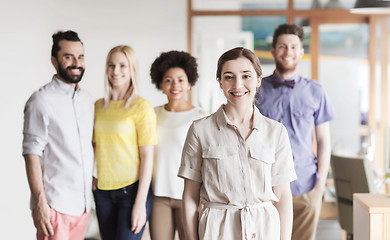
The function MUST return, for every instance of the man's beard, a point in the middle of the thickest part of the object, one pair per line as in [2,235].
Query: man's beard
[67,76]
[284,69]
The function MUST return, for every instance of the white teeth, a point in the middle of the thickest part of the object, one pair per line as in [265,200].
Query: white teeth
[238,94]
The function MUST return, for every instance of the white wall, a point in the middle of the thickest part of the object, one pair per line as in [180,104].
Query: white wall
[149,26]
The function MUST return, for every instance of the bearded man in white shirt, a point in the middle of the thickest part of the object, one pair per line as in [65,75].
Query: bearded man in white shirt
[57,145]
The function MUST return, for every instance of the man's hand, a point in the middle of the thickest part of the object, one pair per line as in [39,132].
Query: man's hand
[41,210]
[41,217]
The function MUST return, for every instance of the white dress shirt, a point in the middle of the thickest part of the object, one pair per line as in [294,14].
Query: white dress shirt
[58,127]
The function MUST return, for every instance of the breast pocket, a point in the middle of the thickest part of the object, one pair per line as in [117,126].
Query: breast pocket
[221,168]
[261,160]
[303,118]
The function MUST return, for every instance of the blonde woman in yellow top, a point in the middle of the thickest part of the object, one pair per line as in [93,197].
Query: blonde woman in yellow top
[124,136]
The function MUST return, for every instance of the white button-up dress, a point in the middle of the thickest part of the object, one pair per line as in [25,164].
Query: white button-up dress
[237,175]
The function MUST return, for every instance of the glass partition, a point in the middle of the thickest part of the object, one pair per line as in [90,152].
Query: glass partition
[340,49]
[213,35]
[327,4]
[344,73]
[387,145]
[208,5]
[263,30]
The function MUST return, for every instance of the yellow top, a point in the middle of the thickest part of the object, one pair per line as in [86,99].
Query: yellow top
[118,133]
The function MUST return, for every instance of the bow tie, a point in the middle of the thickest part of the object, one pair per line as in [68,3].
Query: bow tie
[278,82]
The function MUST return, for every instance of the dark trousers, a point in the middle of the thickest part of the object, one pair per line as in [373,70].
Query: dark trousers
[113,210]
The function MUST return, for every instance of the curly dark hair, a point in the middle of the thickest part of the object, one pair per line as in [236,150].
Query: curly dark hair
[60,35]
[172,59]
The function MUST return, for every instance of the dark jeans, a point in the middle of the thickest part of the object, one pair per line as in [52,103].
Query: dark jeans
[113,210]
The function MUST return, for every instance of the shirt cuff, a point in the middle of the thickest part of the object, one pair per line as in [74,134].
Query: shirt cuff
[191,174]
[283,178]
[32,150]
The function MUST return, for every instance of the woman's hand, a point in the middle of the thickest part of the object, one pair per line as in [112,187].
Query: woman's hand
[94,183]
[138,217]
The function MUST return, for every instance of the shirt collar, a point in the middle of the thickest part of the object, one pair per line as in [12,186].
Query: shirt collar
[67,88]
[296,77]
[257,118]
[222,120]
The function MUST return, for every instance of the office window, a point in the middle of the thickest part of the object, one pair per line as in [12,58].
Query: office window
[344,73]
[204,5]
[327,4]
[324,21]
[213,35]
[388,112]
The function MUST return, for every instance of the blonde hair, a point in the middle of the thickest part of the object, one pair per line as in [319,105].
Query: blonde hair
[132,92]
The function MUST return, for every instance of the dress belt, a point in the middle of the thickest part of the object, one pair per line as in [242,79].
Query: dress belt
[244,211]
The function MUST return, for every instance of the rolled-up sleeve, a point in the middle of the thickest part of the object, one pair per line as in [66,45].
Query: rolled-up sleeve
[283,169]
[35,129]
[191,160]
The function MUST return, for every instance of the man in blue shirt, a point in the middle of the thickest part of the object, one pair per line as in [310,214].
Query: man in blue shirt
[302,106]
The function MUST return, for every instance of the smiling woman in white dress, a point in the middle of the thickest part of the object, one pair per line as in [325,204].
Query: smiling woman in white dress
[237,163]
